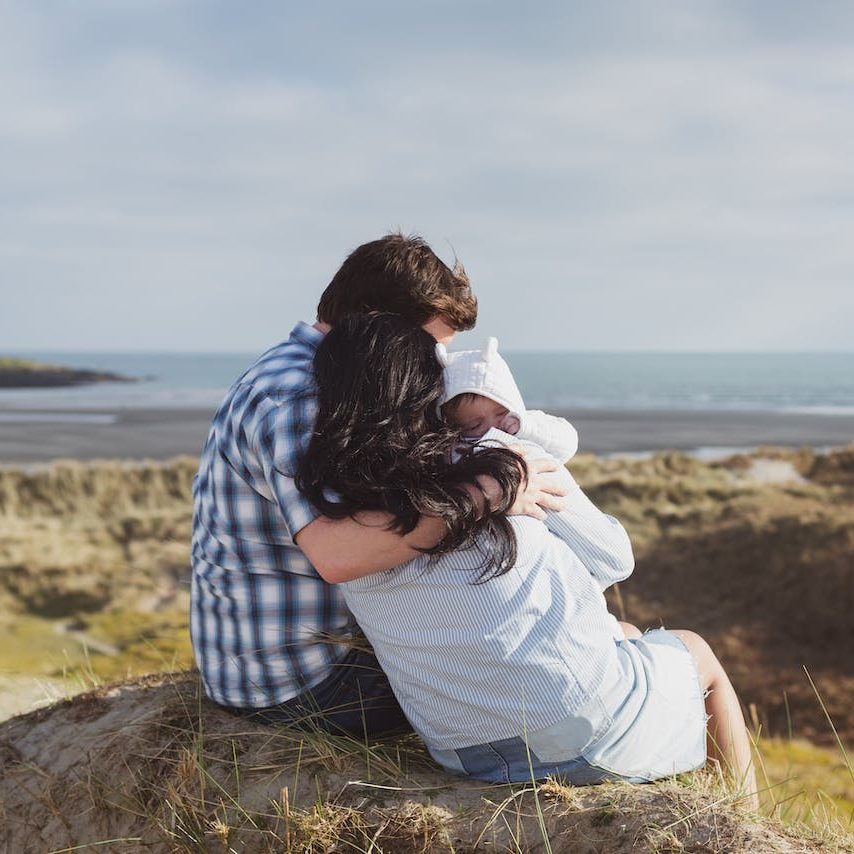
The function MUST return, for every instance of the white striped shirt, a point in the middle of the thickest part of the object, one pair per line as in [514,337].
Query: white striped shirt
[470,663]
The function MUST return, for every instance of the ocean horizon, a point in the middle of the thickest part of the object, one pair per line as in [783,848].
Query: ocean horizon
[817,383]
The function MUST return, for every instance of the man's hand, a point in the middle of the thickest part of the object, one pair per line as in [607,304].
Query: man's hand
[544,489]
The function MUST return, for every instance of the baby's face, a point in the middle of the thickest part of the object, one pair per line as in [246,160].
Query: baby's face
[475,415]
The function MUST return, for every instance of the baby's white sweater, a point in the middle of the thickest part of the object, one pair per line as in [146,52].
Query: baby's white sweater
[555,435]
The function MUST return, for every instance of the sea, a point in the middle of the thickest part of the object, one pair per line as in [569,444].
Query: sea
[818,383]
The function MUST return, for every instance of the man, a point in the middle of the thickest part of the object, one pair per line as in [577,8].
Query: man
[271,634]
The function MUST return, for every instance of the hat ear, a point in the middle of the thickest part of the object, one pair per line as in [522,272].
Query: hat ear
[442,355]
[490,348]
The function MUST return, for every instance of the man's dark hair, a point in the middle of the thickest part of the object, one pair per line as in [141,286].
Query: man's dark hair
[401,275]
[379,442]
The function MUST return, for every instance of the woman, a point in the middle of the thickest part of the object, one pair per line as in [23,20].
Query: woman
[498,643]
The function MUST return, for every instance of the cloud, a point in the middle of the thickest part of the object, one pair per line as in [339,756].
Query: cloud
[667,178]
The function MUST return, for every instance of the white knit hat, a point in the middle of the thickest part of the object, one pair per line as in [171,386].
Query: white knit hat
[481,372]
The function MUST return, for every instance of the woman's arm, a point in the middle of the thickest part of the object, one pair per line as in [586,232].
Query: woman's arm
[344,549]
[599,540]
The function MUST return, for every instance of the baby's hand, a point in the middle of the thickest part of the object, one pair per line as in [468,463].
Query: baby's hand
[510,423]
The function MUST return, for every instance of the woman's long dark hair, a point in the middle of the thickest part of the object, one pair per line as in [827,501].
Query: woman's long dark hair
[379,442]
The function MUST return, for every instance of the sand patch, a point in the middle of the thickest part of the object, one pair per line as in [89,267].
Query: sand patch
[20,694]
[764,470]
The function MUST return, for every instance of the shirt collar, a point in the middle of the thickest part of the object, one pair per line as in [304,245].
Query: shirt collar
[307,334]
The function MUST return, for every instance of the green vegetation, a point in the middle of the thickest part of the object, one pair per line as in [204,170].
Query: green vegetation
[806,784]
[93,575]
[8,363]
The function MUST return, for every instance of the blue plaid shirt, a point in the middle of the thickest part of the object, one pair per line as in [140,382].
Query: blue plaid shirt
[261,618]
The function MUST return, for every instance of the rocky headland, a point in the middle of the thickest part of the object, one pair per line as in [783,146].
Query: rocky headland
[23,373]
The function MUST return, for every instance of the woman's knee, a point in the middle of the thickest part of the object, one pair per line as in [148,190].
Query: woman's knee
[707,662]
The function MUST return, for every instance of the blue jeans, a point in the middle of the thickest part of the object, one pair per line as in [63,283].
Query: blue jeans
[511,761]
[355,699]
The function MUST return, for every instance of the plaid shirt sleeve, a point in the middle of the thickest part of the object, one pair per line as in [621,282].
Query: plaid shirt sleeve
[282,436]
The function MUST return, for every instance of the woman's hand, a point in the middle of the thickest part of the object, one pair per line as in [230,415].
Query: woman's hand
[543,490]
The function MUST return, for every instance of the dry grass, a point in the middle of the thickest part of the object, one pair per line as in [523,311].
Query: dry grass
[94,569]
[155,765]
[765,572]
[93,572]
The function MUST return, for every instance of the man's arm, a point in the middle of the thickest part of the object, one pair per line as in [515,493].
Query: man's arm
[344,549]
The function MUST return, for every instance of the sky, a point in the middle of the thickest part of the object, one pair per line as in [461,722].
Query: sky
[187,175]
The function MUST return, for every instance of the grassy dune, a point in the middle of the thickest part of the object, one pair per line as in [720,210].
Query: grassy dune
[765,571]
[755,553]
[94,581]
[152,767]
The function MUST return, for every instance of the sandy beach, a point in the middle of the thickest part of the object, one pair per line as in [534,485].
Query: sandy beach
[40,435]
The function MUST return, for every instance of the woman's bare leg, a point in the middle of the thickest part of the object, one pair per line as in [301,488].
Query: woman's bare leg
[631,632]
[727,734]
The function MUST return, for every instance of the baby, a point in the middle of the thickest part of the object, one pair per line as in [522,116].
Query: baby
[480,393]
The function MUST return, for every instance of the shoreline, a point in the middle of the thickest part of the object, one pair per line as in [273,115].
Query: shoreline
[649,430]
[44,434]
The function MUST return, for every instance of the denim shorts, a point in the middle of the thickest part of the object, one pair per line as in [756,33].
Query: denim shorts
[647,722]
